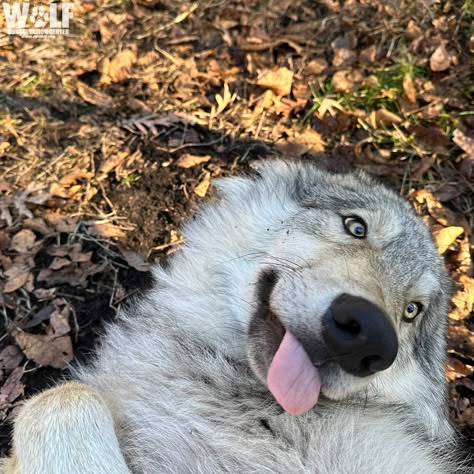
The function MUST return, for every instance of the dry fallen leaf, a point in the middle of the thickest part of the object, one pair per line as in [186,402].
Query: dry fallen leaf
[73,251]
[12,388]
[455,369]
[112,162]
[440,60]
[368,55]
[461,340]
[425,164]
[42,315]
[464,142]
[59,262]
[61,223]
[111,24]
[188,160]
[463,299]
[223,101]
[10,357]
[119,67]
[60,191]
[344,55]
[29,196]
[203,186]
[316,66]
[93,96]
[348,80]
[18,276]
[135,260]
[442,214]
[409,88]
[264,103]
[74,176]
[329,105]
[466,166]
[467,417]
[279,80]
[23,241]
[446,236]
[106,230]
[45,350]
[433,139]
[71,275]
[413,31]
[6,215]
[462,259]
[38,225]
[59,321]
[309,139]
[382,117]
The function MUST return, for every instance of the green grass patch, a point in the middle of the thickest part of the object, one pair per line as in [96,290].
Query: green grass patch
[34,85]
[388,87]
[29,85]
[130,179]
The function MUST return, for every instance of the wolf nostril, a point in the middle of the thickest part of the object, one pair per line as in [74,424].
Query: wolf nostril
[373,363]
[359,336]
[352,327]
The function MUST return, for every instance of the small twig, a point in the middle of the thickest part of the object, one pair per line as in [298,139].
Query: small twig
[260,123]
[165,246]
[104,194]
[188,145]
[181,17]
[76,324]
[175,61]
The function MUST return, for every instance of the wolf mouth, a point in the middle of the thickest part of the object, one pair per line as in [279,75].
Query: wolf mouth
[292,378]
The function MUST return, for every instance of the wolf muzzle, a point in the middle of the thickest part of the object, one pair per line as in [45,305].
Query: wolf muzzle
[359,336]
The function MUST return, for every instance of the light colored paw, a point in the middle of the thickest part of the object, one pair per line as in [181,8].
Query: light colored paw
[67,429]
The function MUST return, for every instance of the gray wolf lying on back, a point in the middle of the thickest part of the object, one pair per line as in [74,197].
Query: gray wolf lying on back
[301,329]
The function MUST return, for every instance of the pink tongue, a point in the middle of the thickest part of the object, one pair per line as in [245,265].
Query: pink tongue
[292,378]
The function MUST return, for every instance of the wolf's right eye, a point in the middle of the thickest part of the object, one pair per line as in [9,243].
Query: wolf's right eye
[412,310]
[355,226]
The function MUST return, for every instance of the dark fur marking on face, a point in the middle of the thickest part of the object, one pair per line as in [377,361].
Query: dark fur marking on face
[266,284]
[264,423]
[265,330]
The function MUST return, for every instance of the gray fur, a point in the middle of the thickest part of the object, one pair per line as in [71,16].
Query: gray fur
[183,374]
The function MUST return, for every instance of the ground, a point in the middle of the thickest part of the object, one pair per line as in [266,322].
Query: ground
[110,135]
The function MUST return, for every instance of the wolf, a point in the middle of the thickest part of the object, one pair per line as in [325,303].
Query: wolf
[300,329]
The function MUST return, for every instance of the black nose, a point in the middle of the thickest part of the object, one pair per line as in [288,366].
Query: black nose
[359,335]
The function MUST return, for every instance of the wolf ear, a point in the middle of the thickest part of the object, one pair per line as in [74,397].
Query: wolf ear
[234,187]
[270,177]
[270,172]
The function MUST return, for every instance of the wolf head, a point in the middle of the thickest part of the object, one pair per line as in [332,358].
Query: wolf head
[324,282]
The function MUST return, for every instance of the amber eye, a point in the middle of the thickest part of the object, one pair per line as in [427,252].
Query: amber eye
[412,310]
[355,226]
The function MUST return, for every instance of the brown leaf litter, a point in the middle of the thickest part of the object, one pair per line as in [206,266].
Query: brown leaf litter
[101,160]
[54,351]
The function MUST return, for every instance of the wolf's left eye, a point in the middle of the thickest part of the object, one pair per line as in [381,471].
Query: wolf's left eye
[412,310]
[355,226]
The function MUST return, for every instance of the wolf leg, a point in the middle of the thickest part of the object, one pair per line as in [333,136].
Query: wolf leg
[65,430]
